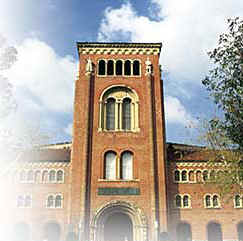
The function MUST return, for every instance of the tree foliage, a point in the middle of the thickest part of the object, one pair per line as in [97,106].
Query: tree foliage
[8,56]
[225,81]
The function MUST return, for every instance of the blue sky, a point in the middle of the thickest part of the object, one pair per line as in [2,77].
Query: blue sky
[45,34]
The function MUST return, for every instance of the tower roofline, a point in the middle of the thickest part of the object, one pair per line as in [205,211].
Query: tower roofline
[118,47]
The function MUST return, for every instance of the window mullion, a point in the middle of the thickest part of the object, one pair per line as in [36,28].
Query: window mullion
[116,115]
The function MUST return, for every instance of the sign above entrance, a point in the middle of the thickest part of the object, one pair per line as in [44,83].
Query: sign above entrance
[118,191]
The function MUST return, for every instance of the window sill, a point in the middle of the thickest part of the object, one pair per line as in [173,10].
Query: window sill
[119,131]
[118,180]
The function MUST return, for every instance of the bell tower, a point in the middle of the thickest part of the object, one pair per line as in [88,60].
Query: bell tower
[118,155]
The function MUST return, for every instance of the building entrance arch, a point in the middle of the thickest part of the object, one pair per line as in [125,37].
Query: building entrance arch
[119,221]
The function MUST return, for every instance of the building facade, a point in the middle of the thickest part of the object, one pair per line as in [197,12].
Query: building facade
[119,180]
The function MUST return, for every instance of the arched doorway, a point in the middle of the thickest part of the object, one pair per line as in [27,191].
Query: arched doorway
[184,232]
[118,227]
[214,232]
[240,231]
[21,232]
[52,231]
[119,221]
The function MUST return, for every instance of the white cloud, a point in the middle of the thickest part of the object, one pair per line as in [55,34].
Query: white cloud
[175,112]
[43,79]
[187,29]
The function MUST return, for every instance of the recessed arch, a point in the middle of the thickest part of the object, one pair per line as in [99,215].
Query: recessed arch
[119,109]
[214,231]
[135,215]
[52,231]
[183,231]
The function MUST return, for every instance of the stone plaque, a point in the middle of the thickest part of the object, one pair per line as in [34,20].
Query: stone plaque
[118,191]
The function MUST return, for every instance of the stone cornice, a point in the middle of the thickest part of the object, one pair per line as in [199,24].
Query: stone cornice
[32,165]
[119,48]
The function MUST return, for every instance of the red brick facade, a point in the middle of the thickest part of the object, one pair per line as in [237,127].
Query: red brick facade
[90,200]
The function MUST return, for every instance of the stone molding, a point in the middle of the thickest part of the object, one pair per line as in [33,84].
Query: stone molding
[119,48]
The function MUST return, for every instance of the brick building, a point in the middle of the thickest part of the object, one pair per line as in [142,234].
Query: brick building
[119,180]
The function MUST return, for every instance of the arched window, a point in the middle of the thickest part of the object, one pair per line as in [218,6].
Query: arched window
[208,201]
[136,67]
[126,166]
[101,67]
[58,201]
[119,67]
[60,176]
[127,67]
[110,67]
[184,176]
[52,176]
[212,176]
[28,201]
[214,232]
[22,176]
[186,201]
[50,201]
[30,176]
[215,201]
[20,201]
[45,176]
[110,114]
[37,176]
[178,201]
[240,231]
[126,114]
[238,201]
[110,165]
[199,176]
[177,176]
[205,176]
[191,176]
[119,108]
[183,231]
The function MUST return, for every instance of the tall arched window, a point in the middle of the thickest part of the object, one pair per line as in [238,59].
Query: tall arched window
[184,176]
[37,176]
[45,176]
[215,201]
[214,232]
[28,201]
[205,176]
[110,165]
[178,201]
[119,67]
[238,201]
[136,67]
[126,166]
[177,176]
[50,201]
[127,69]
[208,201]
[185,201]
[30,176]
[20,201]
[52,176]
[110,67]
[101,67]
[60,176]
[110,114]
[126,114]
[119,107]
[183,232]
[58,201]
[22,176]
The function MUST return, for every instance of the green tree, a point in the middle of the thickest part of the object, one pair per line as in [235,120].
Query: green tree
[225,82]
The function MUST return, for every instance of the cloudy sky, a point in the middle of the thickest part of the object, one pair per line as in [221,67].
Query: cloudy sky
[45,34]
